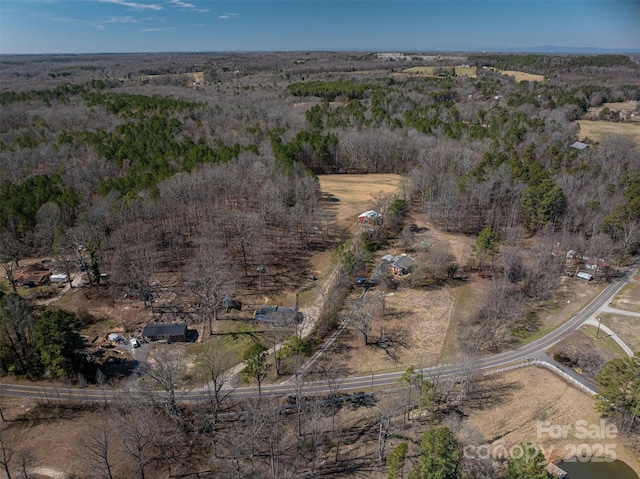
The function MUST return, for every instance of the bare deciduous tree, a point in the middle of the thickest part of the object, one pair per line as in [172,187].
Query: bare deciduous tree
[136,438]
[361,321]
[166,372]
[96,444]
[214,366]
[211,279]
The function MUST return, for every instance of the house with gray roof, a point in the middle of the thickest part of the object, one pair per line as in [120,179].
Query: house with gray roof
[173,332]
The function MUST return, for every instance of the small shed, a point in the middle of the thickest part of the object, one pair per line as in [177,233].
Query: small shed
[578,145]
[169,332]
[370,217]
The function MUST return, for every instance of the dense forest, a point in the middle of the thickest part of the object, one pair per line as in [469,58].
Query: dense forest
[92,144]
[131,165]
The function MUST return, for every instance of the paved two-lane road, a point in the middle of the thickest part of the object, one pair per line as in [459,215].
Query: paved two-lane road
[350,384]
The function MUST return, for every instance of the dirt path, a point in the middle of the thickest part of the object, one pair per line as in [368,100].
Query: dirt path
[354,194]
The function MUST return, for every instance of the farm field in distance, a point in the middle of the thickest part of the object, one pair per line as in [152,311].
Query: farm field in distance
[142,190]
[522,76]
[460,70]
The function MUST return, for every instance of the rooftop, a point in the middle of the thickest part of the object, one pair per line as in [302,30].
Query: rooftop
[166,329]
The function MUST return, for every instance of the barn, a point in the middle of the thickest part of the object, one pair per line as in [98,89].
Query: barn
[370,217]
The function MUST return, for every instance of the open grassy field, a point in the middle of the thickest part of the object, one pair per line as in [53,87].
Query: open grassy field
[627,106]
[460,71]
[353,194]
[626,327]
[518,75]
[522,76]
[628,298]
[594,129]
[535,394]
[197,77]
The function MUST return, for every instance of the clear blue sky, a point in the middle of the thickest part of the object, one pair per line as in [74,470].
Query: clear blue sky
[91,26]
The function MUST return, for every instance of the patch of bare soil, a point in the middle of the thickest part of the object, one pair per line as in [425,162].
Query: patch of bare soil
[535,395]
[48,472]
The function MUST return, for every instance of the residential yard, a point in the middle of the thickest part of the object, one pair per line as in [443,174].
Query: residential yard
[425,323]
[418,326]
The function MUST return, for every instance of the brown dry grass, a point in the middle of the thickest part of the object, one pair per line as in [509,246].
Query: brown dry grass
[106,314]
[584,340]
[628,299]
[420,318]
[533,395]
[566,301]
[522,76]
[626,327]
[595,129]
[55,437]
[621,106]
[197,77]
[518,400]
[355,193]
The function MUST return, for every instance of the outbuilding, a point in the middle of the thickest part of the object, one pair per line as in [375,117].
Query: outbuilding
[585,276]
[370,217]
[578,145]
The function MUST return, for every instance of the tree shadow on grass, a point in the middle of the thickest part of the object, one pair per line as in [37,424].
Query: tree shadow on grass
[488,392]
[47,412]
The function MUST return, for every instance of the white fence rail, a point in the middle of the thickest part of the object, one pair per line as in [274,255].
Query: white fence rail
[551,367]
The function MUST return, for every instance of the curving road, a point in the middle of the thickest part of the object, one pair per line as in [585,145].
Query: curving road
[522,355]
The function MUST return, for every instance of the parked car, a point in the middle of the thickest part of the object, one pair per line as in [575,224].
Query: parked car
[134,343]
